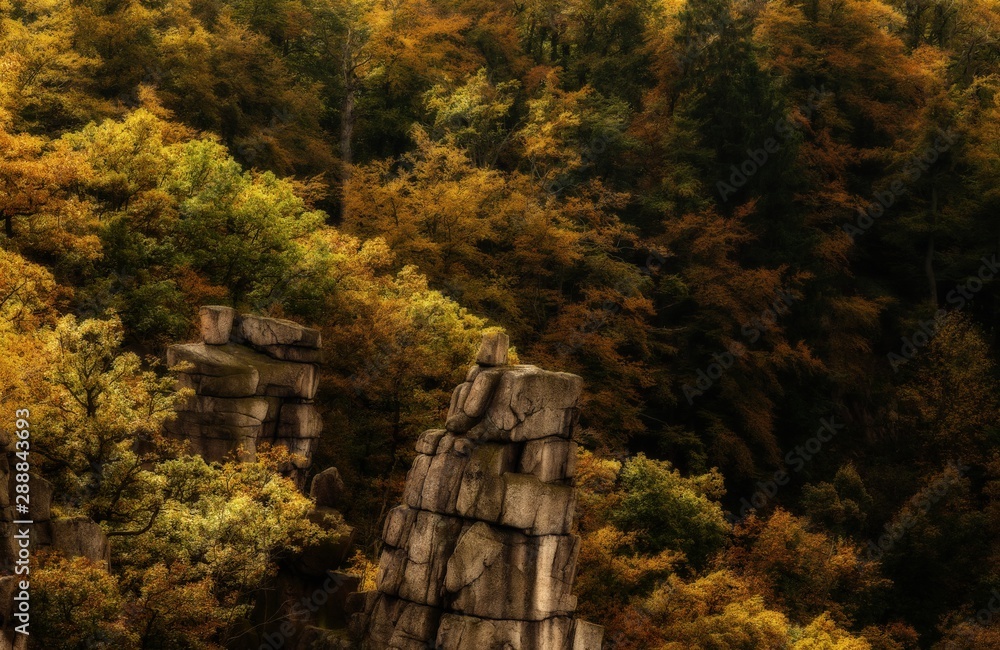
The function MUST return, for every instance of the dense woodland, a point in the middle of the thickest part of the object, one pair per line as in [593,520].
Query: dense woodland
[764,233]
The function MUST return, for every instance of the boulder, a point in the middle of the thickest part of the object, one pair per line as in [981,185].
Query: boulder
[213,370]
[586,636]
[397,624]
[292,353]
[235,371]
[253,380]
[493,349]
[327,488]
[428,441]
[278,378]
[541,404]
[481,495]
[480,557]
[417,551]
[80,537]
[218,426]
[480,392]
[299,421]
[549,459]
[397,526]
[457,632]
[537,508]
[458,421]
[239,411]
[260,331]
[534,574]
[490,492]
[434,481]
[216,324]
[515,404]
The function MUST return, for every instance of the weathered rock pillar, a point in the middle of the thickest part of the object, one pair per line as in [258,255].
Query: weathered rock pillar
[480,554]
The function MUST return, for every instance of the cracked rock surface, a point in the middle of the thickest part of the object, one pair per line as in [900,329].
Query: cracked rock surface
[480,554]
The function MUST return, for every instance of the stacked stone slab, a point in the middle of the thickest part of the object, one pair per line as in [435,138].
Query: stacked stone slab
[254,380]
[480,554]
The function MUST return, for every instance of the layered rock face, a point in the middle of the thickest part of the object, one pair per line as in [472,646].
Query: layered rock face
[254,380]
[480,554]
[69,536]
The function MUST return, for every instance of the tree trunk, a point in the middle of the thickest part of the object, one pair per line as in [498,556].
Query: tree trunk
[8,225]
[347,118]
[929,270]
[814,11]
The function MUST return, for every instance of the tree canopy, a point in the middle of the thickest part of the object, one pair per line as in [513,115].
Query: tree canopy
[739,222]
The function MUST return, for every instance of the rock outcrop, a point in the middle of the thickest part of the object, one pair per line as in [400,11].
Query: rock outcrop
[254,380]
[480,555]
[72,536]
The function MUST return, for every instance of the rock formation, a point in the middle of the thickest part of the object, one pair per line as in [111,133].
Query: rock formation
[480,554]
[254,380]
[71,536]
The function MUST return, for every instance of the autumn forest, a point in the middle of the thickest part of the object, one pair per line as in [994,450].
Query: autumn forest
[763,232]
